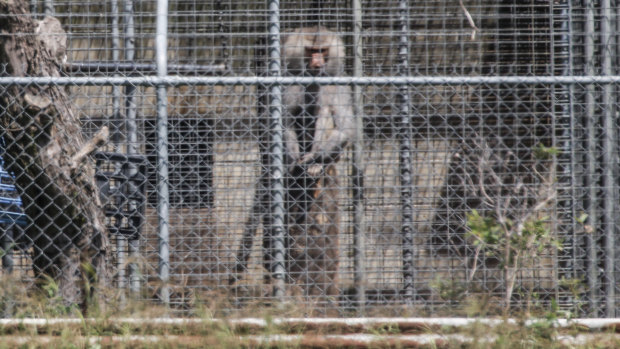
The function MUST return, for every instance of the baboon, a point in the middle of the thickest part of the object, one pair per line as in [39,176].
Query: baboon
[319,123]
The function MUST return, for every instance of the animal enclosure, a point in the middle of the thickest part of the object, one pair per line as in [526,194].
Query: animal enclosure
[484,161]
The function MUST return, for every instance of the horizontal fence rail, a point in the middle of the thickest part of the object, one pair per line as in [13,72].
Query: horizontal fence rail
[173,81]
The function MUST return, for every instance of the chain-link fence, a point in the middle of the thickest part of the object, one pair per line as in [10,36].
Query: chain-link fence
[467,151]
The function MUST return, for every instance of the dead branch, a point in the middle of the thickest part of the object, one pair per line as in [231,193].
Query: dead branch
[472,24]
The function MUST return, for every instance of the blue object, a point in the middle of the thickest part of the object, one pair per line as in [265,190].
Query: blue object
[11,209]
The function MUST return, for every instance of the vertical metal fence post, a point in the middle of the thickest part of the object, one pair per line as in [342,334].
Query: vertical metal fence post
[568,261]
[116,90]
[591,163]
[616,71]
[131,129]
[276,201]
[569,145]
[609,160]
[404,133]
[133,247]
[359,229]
[115,122]
[48,7]
[130,90]
[6,244]
[161,45]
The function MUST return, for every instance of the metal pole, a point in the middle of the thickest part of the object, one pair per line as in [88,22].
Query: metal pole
[570,260]
[133,247]
[161,45]
[412,80]
[404,133]
[617,150]
[6,243]
[115,122]
[609,160]
[131,112]
[121,256]
[130,90]
[276,222]
[116,90]
[359,229]
[591,151]
[48,7]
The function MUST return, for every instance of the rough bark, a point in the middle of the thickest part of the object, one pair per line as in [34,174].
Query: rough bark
[45,149]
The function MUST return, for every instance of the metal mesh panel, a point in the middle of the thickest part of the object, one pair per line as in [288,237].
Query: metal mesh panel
[430,206]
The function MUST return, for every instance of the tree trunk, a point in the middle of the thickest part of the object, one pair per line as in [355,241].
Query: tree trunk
[45,149]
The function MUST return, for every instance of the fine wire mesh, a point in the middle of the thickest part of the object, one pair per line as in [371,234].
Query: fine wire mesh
[473,148]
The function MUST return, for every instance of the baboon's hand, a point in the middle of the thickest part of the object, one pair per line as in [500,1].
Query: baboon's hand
[315,170]
[306,158]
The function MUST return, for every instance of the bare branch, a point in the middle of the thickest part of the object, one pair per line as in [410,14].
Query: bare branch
[472,24]
[93,144]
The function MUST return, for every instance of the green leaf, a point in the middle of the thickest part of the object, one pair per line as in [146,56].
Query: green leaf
[582,218]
